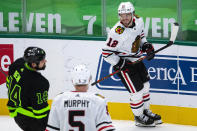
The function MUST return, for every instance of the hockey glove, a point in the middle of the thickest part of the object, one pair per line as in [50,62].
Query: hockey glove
[122,65]
[149,49]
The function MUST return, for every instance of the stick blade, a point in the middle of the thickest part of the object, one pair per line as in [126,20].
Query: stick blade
[174,32]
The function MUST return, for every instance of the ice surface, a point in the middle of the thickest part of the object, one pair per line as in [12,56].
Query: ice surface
[8,124]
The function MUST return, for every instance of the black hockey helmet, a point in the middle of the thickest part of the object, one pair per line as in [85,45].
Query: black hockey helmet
[34,54]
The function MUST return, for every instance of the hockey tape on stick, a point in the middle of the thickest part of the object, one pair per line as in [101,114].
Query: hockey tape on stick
[174,32]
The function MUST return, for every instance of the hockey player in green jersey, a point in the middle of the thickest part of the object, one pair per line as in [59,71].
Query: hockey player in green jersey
[28,90]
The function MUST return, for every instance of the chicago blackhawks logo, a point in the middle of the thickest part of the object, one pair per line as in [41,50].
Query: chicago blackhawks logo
[119,30]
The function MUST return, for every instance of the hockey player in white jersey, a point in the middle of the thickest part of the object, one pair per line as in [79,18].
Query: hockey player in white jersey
[127,38]
[79,110]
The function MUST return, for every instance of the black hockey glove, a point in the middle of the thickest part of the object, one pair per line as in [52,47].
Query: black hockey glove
[149,49]
[122,65]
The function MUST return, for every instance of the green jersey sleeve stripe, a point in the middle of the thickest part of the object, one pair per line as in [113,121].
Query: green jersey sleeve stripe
[26,113]
[42,110]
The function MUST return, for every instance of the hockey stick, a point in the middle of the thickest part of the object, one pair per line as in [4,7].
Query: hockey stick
[174,33]
[3,72]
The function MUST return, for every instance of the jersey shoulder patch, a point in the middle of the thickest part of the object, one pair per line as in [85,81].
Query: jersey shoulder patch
[119,30]
[100,96]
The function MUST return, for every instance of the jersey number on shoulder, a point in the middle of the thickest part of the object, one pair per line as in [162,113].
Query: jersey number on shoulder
[42,97]
[112,43]
[74,123]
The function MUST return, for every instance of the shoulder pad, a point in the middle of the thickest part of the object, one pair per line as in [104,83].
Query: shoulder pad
[137,16]
[119,30]
[58,96]
[60,93]
[100,96]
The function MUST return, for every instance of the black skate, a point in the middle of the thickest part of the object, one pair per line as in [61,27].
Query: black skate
[155,117]
[144,121]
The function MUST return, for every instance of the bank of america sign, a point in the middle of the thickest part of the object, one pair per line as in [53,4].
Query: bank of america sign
[169,74]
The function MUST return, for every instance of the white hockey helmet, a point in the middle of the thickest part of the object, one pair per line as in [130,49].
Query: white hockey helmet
[81,75]
[126,7]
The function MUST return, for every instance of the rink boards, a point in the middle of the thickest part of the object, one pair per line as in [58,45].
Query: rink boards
[173,75]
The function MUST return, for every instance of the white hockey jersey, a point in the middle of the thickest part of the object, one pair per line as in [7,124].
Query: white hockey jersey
[79,111]
[123,41]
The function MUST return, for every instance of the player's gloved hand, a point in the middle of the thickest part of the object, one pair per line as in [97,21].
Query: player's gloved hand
[122,65]
[149,49]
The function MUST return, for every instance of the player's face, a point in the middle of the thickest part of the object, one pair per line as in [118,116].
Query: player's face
[126,19]
[42,64]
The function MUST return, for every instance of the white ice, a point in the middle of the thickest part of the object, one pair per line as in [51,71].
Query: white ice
[8,124]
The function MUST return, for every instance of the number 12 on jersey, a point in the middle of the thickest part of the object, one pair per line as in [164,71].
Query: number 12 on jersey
[112,43]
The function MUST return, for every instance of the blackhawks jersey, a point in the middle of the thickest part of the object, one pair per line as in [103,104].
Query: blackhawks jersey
[27,91]
[124,41]
[79,111]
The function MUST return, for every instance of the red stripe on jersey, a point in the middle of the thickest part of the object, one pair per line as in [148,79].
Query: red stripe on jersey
[136,103]
[104,127]
[123,53]
[146,96]
[127,80]
[106,53]
[142,34]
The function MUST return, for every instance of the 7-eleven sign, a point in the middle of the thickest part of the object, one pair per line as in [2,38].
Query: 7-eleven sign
[6,58]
